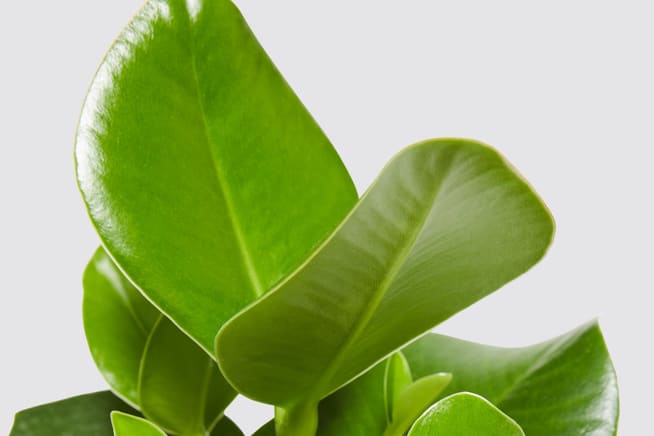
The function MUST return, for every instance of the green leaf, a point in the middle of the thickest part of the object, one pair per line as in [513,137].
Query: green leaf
[181,388]
[117,323]
[204,175]
[445,224]
[465,414]
[358,408]
[128,425]
[268,429]
[226,427]
[145,358]
[563,387]
[413,400]
[77,416]
[397,377]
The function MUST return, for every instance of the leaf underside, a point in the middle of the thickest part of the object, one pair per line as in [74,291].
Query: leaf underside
[446,223]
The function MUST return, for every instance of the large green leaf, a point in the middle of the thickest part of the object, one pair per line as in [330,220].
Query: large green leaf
[129,425]
[206,178]
[563,387]
[145,358]
[465,414]
[83,415]
[445,224]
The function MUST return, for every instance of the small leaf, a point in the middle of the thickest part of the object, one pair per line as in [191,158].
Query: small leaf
[465,414]
[398,377]
[129,425]
[181,388]
[446,223]
[202,172]
[83,415]
[180,385]
[413,400]
[117,323]
[563,387]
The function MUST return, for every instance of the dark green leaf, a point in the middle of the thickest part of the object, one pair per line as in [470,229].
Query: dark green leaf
[360,407]
[206,178]
[446,223]
[465,414]
[129,425]
[563,387]
[268,429]
[77,416]
[181,388]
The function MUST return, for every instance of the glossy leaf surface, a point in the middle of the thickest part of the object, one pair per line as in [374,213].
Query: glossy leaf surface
[77,416]
[205,176]
[446,223]
[145,358]
[129,425]
[565,386]
[465,414]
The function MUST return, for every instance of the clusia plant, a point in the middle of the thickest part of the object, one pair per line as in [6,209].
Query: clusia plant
[237,258]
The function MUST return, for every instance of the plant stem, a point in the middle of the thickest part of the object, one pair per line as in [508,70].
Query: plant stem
[298,420]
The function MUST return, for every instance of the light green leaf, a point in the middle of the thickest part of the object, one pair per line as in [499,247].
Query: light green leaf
[465,414]
[445,224]
[180,387]
[129,425]
[204,175]
[398,377]
[83,415]
[563,387]
[413,400]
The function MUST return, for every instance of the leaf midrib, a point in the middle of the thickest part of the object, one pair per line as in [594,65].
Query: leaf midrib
[246,256]
[539,361]
[378,295]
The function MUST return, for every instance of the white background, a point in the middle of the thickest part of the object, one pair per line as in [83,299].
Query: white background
[564,89]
